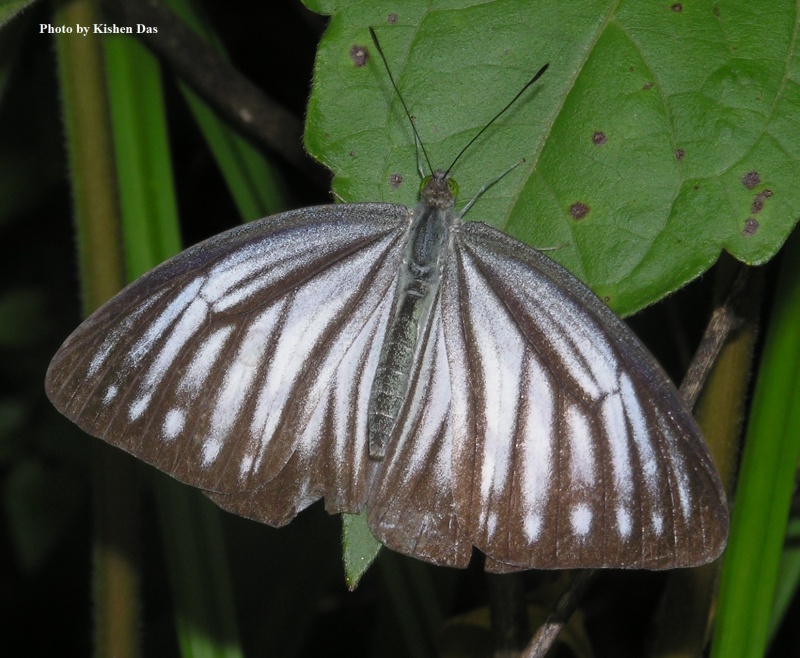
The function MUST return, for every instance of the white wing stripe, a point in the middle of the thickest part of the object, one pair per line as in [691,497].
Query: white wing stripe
[305,323]
[353,370]
[616,430]
[584,349]
[624,524]
[581,443]
[581,519]
[173,423]
[260,265]
[501,349]
[242,265]
[275,258]
[537,427]
[184,330]
[110,394]
[99,357]
[243,292]
[678,466]
[642,437]
[191,319]
[352,382]
[167,317]
[200,369]
[238,381]
[428,408]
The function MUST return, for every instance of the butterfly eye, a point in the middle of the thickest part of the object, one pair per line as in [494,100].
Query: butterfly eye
[424,183]
[453,187]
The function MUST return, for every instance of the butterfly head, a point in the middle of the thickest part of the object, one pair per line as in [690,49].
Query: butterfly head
[439,190]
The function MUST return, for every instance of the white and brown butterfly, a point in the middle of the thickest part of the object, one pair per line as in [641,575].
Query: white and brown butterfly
[459,386]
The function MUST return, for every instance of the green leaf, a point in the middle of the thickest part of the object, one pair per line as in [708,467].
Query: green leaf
[656,139]
[359,547]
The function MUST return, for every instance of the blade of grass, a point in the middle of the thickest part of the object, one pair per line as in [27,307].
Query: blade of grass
[115,550]
[253,181]
[192,532]
[766,480]
[788,577]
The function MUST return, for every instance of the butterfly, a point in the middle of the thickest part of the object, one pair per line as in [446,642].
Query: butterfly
[462,388]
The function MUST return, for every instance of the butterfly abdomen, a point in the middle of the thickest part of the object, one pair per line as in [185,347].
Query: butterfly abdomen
[417,288]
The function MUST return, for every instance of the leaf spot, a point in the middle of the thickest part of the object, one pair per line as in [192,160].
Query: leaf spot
[751,179]
[750,227]
[578,210]
[758,201]
[359,55]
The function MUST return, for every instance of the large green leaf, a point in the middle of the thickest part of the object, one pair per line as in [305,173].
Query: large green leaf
[661,135]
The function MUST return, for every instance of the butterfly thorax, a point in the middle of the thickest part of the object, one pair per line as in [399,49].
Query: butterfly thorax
[417,289]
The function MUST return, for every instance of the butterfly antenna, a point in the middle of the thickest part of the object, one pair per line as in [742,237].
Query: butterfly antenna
[417,138]
[538,75]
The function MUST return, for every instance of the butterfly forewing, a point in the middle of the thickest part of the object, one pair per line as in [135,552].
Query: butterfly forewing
[213,365]
[571,447]
[331,458]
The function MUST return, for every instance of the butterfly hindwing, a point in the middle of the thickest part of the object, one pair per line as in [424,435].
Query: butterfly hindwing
[411,507]
[571,448]
[212,366]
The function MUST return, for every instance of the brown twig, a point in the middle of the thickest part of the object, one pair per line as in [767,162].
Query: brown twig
[547,633]
[725,319]
[238,100]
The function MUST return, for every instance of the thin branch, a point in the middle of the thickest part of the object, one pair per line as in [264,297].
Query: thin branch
[237,99]
[547,633]
[725,319]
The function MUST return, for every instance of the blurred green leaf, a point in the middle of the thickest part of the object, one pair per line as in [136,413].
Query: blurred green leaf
[788,577]
[191,529]
[40,502]
[10,8]
[253,182]
[13,415]
[22,318]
